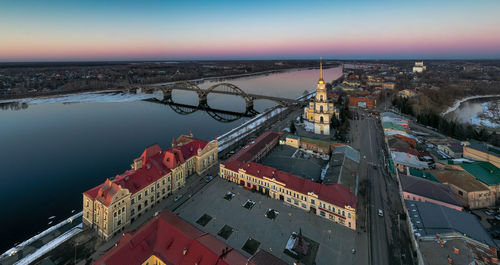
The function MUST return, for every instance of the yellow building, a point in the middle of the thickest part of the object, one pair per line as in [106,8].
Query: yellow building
[155,175]
[482,152]
[333,201]
[321,110]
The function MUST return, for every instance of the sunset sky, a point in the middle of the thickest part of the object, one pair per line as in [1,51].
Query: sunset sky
[161,30]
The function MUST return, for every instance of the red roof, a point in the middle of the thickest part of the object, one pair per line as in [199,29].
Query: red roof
[174,241]
[249,152]
[155,164]
[333,193]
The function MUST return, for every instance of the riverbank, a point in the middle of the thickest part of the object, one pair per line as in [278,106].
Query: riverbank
[458,102]
[195,80]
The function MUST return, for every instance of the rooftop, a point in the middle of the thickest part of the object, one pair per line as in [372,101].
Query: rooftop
[248,152]
[408,160]
[423,174]
[459,178]
[332,193]
[428,189]
[429,219]
[174,241]
[487,148]
[483,171]
[468,253]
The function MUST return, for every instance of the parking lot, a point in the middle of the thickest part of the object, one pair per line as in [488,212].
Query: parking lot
[239,219]
[490,222]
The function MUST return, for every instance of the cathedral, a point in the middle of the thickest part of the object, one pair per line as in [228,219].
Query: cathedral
[320,110]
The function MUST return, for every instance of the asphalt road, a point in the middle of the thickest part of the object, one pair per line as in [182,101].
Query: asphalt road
[385,233]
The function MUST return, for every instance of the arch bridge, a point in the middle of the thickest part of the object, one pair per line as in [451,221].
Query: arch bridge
[221,88]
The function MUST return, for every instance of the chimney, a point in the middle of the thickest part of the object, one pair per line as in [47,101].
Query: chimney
[456,250]
[190,133]
[184,252]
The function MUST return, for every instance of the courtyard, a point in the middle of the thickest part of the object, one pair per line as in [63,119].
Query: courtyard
[295,161]
[248,229]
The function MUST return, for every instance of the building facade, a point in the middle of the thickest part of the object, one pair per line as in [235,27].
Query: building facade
[155,175]
[333,201]
[321,110]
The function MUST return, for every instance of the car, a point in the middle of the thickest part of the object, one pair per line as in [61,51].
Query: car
[497,217]
[489,212]
[178,197]
[380,213]
[208,178]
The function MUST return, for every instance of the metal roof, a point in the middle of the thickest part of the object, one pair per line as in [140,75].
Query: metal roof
[429,219]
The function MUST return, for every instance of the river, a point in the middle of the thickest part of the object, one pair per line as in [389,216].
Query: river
[481,111]
[53,149]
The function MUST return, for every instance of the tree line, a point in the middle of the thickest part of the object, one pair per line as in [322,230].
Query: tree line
[447,127]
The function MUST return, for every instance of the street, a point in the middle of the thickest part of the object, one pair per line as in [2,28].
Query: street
[385,243]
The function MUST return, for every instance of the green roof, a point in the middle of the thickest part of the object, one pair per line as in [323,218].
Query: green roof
[394,126]
[423,174]
[315,142]
[483,171]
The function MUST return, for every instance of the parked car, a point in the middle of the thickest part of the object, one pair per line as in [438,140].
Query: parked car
[497,217]
[208,178]
[380,213]
[178,197]
[489,212]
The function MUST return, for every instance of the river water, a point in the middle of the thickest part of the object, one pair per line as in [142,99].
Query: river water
[52,150]
[476,112]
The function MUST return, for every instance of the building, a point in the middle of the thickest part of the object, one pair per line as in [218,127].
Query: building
[406,93]
[321,110]
[167,239]
[362,102]
[258,148]
[485,172]
[156,174]
[388,85]
[333,201]
[314,146]
[404,161]
[423,175]
[422,190]
[343,168]
[470,192]
[431,221]
[483,152]
[457,251]
[451,148]
[419,67]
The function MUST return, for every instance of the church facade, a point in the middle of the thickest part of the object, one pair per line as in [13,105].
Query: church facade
[320,110]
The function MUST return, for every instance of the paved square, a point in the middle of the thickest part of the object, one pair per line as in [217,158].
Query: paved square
[335,241]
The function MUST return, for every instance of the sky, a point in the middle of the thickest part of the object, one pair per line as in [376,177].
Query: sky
[53,30]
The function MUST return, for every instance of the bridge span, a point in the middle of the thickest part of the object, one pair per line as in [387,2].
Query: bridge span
[221,88]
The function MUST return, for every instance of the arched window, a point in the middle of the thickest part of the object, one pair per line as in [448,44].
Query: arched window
[321,118]
[320,108]
[321,97]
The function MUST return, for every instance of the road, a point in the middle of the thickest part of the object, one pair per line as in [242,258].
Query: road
[385,240]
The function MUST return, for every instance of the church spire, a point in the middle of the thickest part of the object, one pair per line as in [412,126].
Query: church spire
[320,69]
[320,81]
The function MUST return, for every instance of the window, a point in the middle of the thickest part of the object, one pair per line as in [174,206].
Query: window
[349,215]
[304,205]
[163,182]
[157,195]
[119,211]
[322,213]
[343,213]
[119,222]
[157,185]
[87,215]
[139,198]
[152,198]
[288,200]
[152,189]
[460,193]
[163,191]
[146,193]
[132,201]
[312,201]
[87,203]
[296,202]
[132,212]
[139,207]
[123,209]
[115,214]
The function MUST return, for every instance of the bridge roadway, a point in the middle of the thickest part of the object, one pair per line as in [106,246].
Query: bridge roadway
[202,93]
